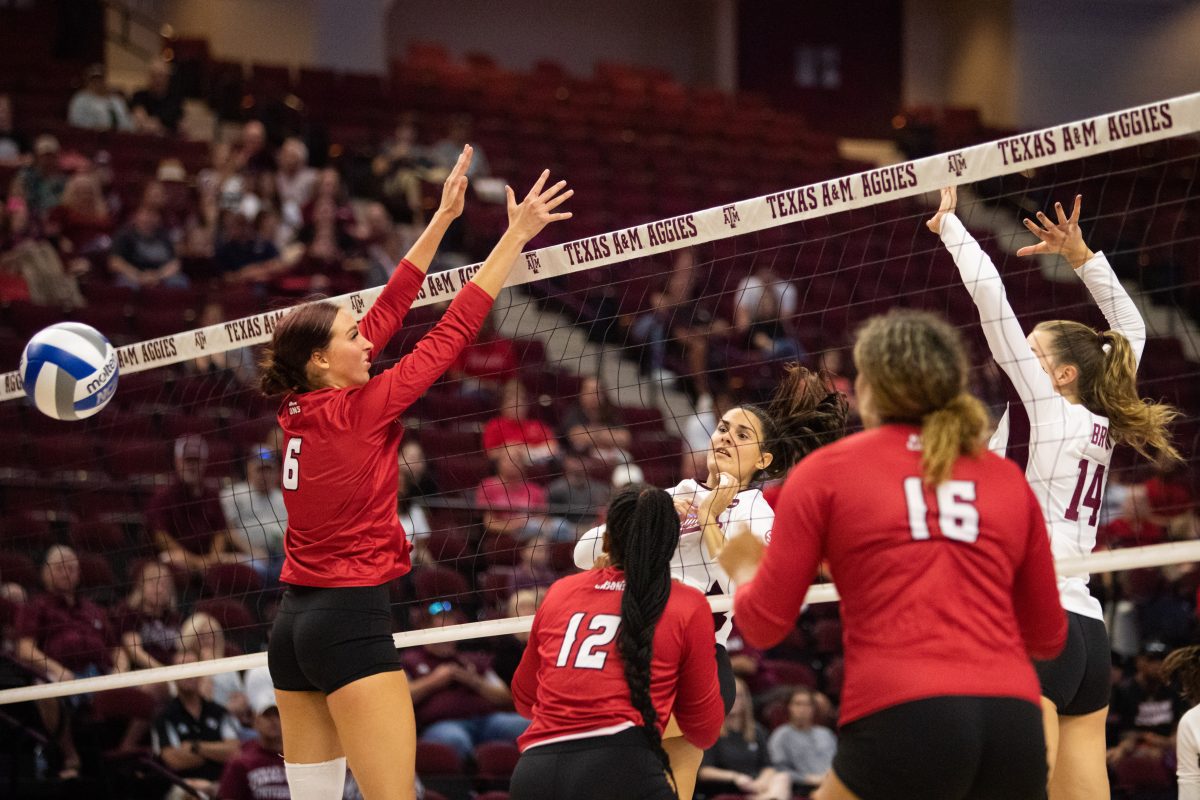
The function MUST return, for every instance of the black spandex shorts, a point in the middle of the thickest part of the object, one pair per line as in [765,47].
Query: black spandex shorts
[1078,681]
[324,639]
[725,678]
[946,748]
[617,767]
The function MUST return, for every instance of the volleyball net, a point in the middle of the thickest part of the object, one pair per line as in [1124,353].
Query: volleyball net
[164,511]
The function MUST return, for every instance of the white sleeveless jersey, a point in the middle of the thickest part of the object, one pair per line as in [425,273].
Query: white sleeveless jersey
[692,563]
[1070,449]
[1187,755]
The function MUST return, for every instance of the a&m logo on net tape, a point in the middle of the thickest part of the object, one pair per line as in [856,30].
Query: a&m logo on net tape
[357,303]
[731,216]
[201,340]
[957,163]
[533,262]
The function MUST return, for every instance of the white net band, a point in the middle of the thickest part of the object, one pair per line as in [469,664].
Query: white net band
[1096,563]
[1141,125]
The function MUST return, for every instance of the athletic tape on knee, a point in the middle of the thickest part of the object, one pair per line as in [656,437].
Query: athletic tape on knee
[323,781]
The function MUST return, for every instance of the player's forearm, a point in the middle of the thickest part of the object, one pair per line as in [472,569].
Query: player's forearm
[499,263]
[1114,302]
[421,254]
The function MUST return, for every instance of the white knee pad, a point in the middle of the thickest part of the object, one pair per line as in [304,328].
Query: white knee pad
[323,781]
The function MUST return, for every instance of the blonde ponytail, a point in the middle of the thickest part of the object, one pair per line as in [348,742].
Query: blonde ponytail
[951,431]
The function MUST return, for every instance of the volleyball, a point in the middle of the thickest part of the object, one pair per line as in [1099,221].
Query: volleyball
[69,370]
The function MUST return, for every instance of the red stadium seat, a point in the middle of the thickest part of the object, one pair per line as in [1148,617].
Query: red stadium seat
[19,568]
[434,582]
[96,573]
[791,673]
[438,759]
[495,761]
[98,537]
[233,615]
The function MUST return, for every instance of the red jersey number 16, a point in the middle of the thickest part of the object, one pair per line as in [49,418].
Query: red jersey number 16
[291,465]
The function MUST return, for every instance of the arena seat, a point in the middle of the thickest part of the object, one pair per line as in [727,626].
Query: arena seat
[233,615]
[97,537]
[494,763]
[231,580]
[438,759]
[431,582]
[20,569]
[96,573]
[791,673]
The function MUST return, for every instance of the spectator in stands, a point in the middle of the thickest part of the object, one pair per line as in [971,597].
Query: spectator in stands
[514,429]
[253,154]
[81,223]
[1135,524]
[236,365]
[256,513]
[484,366]
[144,255]
[508,650]
[98,107]
[185,518]
[169,195]
[413,519]
[576,496]
[458,698]
[399,169]
[147,620]
[159,107]
[421,480]
[444,152]
[62,636]
[194,736]
[13,143]
[593,425]
[295,182]
[1145,709]
[257,771]
[762,314]
[30,268]
[244,256]
[800,747]
[204,638]
[739,760]
[511,504]
[40,184]
[383,245]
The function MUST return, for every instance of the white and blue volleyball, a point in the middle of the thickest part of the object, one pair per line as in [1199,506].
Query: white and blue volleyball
[69,370]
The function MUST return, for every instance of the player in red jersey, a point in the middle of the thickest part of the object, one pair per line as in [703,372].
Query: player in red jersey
[940,554]
[340,689]
[599,708]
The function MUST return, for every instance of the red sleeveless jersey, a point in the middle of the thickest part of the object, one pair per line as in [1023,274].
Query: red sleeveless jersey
[340,468]
[944,591]
[571,680]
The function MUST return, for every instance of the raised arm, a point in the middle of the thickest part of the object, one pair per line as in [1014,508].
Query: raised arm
[1000,326]
[383,319]
[386,396]
[1066,239]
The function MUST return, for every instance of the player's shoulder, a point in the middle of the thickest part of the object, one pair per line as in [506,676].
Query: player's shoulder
[1190,723]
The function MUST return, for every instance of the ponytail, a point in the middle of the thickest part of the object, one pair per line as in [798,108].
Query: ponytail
[643,532]
[1107,385]
[805,413]
[1141,424]
[1184,664]
[951,431]
[916,368]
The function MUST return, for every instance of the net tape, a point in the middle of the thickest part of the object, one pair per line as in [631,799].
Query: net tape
[1140,125]
[1157,555]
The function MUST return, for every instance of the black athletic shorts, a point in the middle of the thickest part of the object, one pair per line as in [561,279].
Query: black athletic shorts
[946,748]
[1078,681]
[617,767]
[324,639]
[725,678]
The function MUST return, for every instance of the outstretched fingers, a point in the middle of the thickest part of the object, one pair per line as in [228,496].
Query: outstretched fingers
[552,202]
[536,191]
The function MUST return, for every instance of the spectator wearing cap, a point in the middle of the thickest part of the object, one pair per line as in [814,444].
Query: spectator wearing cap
[458,698]
[40,184]
[185,517]
[159,107]
[258,772]
[96,106]
[1144,711]
[193,736]
[144,255]
[256,513]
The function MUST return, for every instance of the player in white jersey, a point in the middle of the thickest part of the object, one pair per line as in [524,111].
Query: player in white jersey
[751,443]
[1079,388]
[1184,664]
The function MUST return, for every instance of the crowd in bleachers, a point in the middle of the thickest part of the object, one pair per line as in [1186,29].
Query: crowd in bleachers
[152,534]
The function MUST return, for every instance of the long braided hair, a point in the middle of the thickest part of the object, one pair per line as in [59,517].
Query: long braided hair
[643,532]
[805,413]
